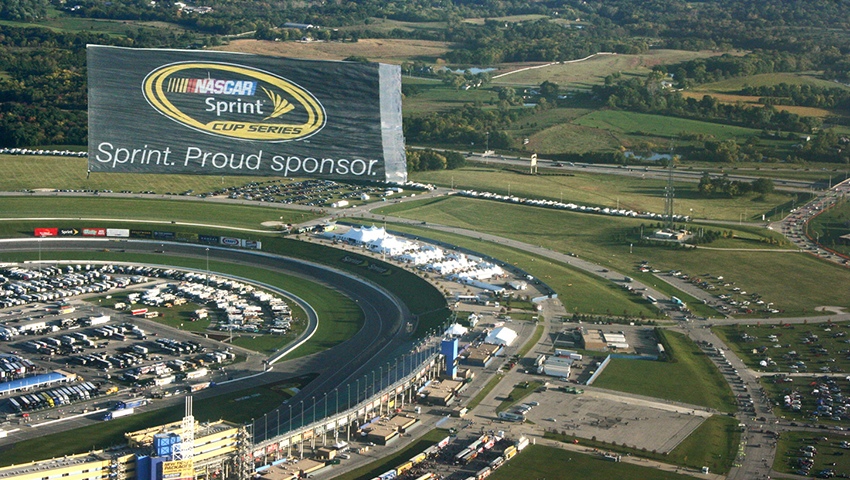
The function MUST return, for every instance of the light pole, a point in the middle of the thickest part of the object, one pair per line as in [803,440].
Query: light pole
[302,414]
[381,377]
[314,410]
[208,265]
[290,418]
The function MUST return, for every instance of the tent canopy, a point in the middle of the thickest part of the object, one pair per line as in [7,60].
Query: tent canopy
[501,336]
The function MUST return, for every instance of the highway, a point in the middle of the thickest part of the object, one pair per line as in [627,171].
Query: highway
[657,173]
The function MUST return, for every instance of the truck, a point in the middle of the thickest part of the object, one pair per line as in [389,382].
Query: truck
[119,413]
[130,404]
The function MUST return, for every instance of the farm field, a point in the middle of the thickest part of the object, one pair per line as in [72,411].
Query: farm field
[394,51]
[790,445]
[623,122]
[613,191]
[754,101]
[585,74]
[734,85]
[599,239]
[690,377]
[434,96]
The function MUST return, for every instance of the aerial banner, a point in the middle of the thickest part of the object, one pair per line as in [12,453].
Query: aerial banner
[220,113]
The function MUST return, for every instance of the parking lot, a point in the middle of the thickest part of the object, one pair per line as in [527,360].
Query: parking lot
[60,328]
[654,425]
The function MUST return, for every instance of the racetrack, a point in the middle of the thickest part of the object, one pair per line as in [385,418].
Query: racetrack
[381,333]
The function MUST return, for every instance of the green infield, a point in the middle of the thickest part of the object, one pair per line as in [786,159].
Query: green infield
[612,191]
[714,444]
[688,376]
[539,461]
[603,240]
[826,449]
[237,407]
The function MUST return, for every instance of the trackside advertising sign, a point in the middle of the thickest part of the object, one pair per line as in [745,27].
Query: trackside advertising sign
[219,113]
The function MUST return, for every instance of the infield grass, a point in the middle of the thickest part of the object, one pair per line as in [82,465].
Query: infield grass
[689,378]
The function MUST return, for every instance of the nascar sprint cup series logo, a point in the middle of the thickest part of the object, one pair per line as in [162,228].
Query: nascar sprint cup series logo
[234,101]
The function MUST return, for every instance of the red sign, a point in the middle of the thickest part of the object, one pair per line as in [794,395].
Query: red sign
[46,232]
[94,232]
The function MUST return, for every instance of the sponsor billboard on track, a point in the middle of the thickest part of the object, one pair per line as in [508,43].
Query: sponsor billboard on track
[220,113]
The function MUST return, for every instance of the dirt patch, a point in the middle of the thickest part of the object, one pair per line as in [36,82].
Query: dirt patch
[383,50]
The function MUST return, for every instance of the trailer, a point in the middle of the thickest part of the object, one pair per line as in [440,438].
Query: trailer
[118,413]
[131,404]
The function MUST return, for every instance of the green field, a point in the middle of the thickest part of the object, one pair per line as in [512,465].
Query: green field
[613,191]
[539,462]
[713,444]
[690,377]
[831,226]
[622,122]
[733,85]
[434,96]
[599,239]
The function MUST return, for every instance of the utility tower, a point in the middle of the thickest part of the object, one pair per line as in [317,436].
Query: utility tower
[669,193]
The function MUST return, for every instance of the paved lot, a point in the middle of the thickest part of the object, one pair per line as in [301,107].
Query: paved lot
[612,418]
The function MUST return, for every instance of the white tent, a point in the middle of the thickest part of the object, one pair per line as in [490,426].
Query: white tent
[364,235]
[457,330]
[501,336]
